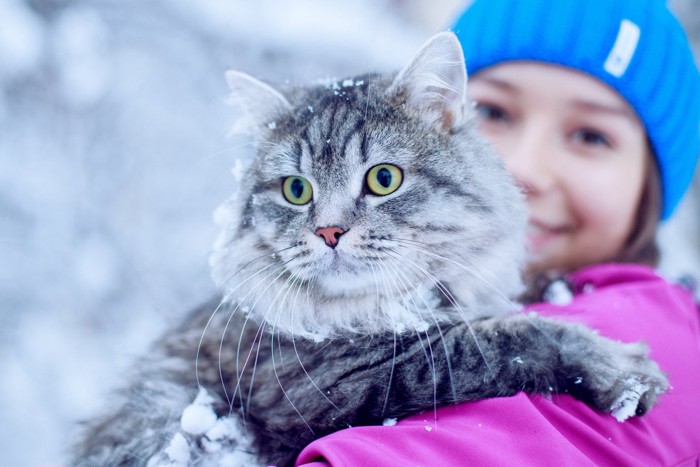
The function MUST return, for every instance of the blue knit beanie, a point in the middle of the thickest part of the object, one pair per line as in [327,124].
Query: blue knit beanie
[635,46]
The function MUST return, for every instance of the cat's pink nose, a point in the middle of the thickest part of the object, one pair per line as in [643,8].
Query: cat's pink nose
[331,235]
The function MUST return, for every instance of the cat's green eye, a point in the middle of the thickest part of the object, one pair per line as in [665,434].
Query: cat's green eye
[384,179]
[297,190]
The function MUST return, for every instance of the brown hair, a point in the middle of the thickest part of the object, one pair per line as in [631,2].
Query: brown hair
[641,246]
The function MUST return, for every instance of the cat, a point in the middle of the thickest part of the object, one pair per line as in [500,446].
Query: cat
[364,265]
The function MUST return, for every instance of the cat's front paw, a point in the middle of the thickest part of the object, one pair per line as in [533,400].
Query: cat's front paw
[624,381]
[637,399]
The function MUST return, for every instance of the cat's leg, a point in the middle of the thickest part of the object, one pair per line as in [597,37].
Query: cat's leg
[487,358]
[364,380]
[536,354]
[140,422]
[142,418]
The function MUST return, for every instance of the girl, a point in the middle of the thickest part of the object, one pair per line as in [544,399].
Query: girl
[595,107]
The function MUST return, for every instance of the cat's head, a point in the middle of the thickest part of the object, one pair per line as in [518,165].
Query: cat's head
[371,204]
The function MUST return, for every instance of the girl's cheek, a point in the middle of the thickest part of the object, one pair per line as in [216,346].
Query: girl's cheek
[604,205]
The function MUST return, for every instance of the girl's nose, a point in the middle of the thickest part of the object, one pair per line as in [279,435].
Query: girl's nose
[529,160]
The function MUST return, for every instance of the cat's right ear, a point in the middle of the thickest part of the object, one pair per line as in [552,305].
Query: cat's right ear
[261,104]
[434,85]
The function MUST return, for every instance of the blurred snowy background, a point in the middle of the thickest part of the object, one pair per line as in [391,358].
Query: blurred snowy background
[113,155]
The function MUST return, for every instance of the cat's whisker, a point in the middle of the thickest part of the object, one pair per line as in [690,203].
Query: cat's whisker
[245,407]
[445,291]
[376,284]
[311,380]
[397,270]
[239,374]
[431,362]
[427,351]
[393,359]
[429,340]
[310,290]
[514,307]
[296,350]
[301,285]
[290,284]
[219,153]
[213,315]
[201,341]
[435,322]
[271,254]
[274,366]
[282,267]
[296,278]
[261,333]
[227,296]
[470,270]
[385,283]
[441,287]
[270,145]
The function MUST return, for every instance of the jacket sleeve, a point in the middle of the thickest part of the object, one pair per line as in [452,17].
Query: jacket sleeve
[627,303]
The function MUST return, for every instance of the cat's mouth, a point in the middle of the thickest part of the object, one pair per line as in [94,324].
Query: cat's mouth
[341,274]
[341,265]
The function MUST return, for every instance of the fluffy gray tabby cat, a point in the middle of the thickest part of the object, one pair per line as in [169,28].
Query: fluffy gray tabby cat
[364,264]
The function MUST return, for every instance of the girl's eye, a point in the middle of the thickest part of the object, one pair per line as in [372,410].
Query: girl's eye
[491,113]
[297,190]
[384,179]
[591,138]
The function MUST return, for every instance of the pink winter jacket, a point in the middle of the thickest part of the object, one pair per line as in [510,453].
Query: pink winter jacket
[624,302]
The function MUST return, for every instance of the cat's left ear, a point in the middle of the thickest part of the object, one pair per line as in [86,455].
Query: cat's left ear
[434,84]
[261,103]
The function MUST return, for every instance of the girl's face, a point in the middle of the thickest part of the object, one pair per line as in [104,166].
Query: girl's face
[577,150]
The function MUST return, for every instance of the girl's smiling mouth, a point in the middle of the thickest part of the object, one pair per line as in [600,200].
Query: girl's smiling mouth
[540,234]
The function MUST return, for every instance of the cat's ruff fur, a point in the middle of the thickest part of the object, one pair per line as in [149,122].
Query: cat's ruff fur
[407,312]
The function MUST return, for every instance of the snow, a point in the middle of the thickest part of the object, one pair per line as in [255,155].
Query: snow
[206,439]
[178,450]
[558,293]
[197,419]
[225,428]
[626,405]
[238,170]
[113,155]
